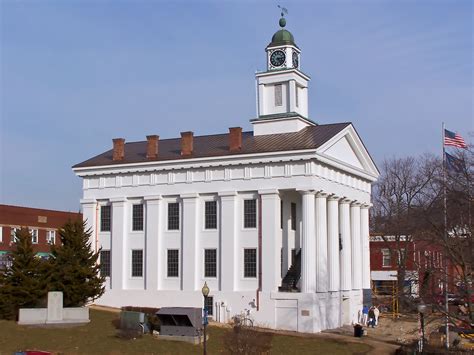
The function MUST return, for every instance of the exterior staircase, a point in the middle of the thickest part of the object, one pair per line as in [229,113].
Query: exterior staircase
[289,282]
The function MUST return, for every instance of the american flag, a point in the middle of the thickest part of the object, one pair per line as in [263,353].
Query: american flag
[454,139]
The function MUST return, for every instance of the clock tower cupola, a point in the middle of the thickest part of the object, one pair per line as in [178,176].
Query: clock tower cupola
[282,90]
[282,52]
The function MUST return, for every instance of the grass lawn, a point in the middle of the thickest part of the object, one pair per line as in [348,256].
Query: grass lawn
[98,337]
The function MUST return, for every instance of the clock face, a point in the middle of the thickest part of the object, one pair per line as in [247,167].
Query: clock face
[295,60]
[277,59]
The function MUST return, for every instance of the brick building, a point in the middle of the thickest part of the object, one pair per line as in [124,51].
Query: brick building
[419,258]
[43,225]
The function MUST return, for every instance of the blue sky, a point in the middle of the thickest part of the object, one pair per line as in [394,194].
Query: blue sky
[75,74]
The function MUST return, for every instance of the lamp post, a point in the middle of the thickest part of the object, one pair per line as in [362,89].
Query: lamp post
[421,310]
[205,293]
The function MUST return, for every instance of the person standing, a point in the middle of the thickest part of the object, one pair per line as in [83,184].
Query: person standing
[376,314]
[371,316]
[365,313]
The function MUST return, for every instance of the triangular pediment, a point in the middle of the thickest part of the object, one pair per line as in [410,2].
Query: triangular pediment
[343,151]
[347,151]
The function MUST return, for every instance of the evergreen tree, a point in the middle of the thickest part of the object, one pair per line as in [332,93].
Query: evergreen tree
[75,270]
[23,284]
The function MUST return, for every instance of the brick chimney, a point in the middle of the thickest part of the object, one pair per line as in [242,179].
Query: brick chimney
[235,139]
[119,149]
[187,143]
[152,146]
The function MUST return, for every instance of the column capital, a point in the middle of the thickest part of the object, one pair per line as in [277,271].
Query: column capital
[356,204]
[227,193]
[269,192]
[321,194]
[366,205]
[152,198]
[88,201]
[334,197]
[118,200]
[189,195]
[345,201]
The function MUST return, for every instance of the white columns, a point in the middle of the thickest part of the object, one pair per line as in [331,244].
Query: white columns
[152,241]
[356,247]
[364,235]
[228,238]
[117,242]
[286,223]
[308,247]
[345,254]
[189,244]
[333,243]
[271,240]
[321,243]
[89,213]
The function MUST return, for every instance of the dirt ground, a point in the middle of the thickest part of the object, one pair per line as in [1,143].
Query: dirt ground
[401,330]
[387,336]
[391,332]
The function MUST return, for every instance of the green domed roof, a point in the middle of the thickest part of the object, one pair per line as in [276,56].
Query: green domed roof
[282,37]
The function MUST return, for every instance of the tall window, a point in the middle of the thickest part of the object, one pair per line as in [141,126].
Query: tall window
[137,217]
[210,262]
[13,231]
[34,236]
[173,262]
[105,263]
[250,213]
[173,216]
[209,305]
[278,95]
[386,258]
[51,237]
[250,262]
[105,218]
[293,216]
[210,214]
[137,263]
[401,256]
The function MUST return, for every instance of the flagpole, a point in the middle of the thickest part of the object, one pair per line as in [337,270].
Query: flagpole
[445,241]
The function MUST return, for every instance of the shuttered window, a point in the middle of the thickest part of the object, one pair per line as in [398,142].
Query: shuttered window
[278,95]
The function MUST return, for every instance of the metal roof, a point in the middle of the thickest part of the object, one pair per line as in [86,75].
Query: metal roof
[217,145]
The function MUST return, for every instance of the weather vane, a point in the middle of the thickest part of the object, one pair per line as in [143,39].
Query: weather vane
[284,11]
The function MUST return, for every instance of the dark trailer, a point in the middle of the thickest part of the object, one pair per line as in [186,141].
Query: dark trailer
[180,321]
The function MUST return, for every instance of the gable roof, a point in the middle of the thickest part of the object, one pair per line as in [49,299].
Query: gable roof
[217,145]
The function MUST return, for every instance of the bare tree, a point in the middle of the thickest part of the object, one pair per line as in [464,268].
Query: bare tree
[401,193]
[409,207]
[455,238]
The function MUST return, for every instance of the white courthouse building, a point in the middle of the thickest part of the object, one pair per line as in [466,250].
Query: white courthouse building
[275,220]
